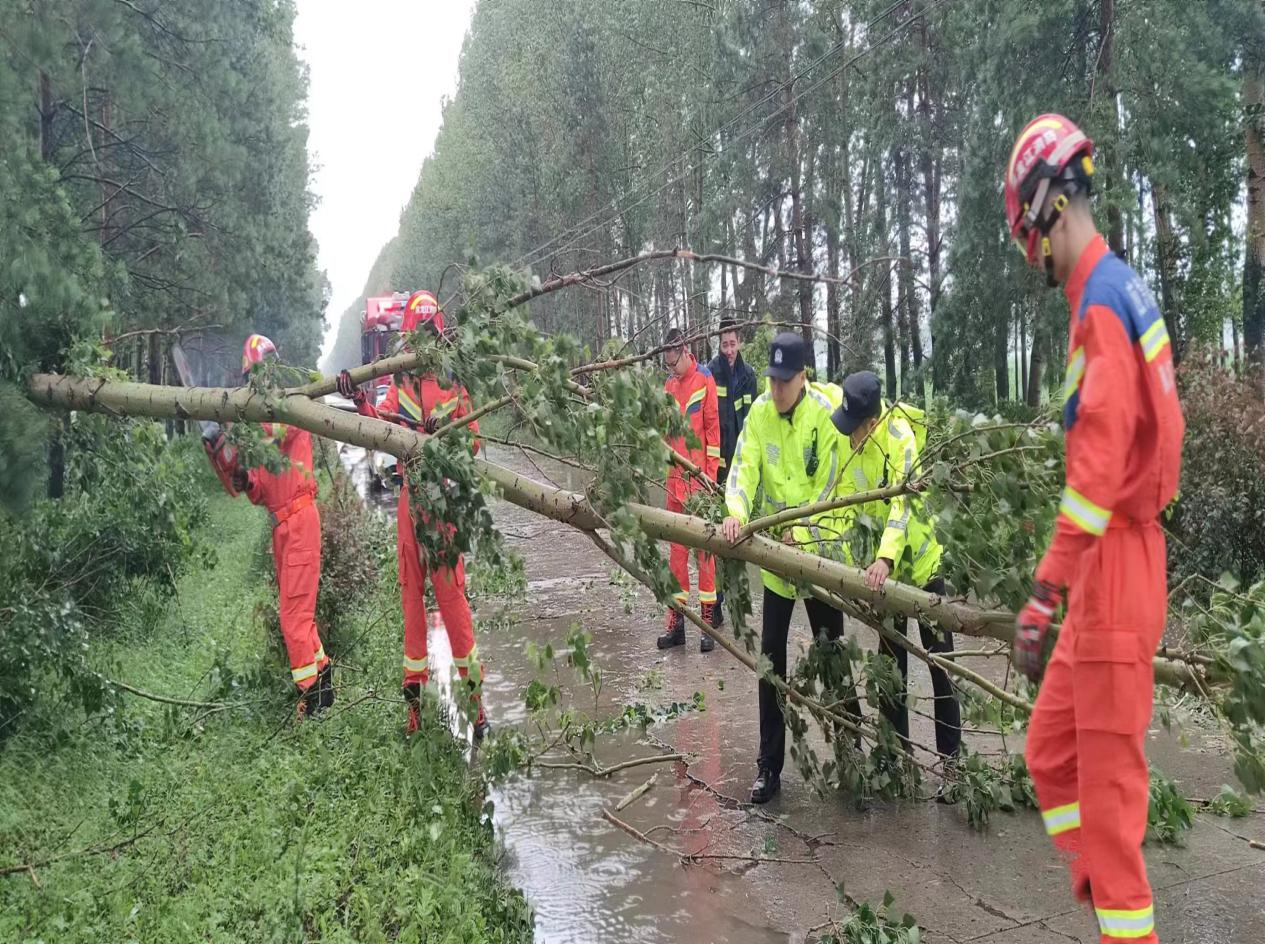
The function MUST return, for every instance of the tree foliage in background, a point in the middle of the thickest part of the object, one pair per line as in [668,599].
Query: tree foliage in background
[823,135]
[154,176]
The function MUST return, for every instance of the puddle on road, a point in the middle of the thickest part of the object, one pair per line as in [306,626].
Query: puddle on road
[585,879]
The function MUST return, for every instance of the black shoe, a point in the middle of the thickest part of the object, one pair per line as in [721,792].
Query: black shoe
[675,636]
[705,642]
[325,687]
[766,785]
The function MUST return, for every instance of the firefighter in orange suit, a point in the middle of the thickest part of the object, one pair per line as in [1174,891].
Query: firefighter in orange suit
[1124,431]
[425,403]
[290,498]
[692,386]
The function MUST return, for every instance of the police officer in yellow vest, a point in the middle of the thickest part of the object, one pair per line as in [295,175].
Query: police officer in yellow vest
[884,451]
[788,454]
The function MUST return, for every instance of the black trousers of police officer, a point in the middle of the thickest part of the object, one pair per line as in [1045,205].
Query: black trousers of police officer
[947,711]
[827,624]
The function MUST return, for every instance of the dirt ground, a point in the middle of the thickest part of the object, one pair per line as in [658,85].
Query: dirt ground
[589,880]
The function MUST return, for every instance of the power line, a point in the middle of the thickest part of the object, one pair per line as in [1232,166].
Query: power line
[672,181]
[526,257]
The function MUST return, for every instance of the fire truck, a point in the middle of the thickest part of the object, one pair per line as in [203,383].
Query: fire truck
[379,338]
[380,334]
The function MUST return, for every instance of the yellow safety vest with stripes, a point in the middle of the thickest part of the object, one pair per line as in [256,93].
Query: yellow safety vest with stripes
[784,461]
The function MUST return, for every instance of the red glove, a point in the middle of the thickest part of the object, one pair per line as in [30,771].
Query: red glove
[1031,627]
[348,389]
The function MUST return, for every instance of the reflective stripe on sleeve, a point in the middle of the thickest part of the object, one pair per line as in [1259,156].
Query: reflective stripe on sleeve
[722,392]
[713,451]
[304,672]
[1075,371]
[1153,340]
[1083,513]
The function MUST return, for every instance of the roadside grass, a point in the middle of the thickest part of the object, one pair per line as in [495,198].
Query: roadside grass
[166,823]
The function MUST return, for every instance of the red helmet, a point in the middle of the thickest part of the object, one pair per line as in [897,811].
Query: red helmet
[256,350]
[1049,149]
[422,308]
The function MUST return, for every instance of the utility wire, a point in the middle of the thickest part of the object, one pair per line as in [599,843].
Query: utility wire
[873,47]
[526,258]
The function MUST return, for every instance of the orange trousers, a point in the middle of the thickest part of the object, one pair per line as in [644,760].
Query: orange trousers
[679,562]
[1086,737]
[449,584]
[296,553]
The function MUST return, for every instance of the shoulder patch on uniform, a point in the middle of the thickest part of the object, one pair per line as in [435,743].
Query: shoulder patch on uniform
[704,369]
[1114,285]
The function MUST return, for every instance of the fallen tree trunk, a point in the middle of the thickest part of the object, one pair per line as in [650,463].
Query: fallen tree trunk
[298,409]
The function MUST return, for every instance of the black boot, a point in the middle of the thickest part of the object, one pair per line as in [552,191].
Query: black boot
[413,698]
[675,636]
[718,612]
[705,642]
[325,687]
[766,786]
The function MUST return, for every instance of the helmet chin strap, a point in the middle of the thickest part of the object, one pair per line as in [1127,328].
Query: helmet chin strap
[1044,223]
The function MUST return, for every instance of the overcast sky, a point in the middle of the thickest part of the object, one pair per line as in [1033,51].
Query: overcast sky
[379,70]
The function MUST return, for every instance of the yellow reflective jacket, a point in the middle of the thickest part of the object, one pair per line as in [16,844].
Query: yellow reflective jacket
[780,462]
[888,457]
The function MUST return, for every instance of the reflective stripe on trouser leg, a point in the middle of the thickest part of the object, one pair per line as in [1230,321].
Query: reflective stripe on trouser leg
[412,596]
[469,666]
[1114,793]
[1126,925]
[450,595]
[1051,754]
[1062,818]
[679,558]
[296,547]
[706,577]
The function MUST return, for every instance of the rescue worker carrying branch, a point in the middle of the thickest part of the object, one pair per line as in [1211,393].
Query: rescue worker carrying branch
[424,403]
[290,498]
[1124,430]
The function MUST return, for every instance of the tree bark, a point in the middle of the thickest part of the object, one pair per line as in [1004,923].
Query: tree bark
[1022,329]
[907,293]
[1254,257]
[1110,171]
[227,405]
[802,257]
[1001,355]
[1036,367]
[1166,252]
[57,441]
[884,283]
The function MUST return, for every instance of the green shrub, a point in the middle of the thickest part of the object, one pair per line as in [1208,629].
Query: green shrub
[1219,520]
[125,529]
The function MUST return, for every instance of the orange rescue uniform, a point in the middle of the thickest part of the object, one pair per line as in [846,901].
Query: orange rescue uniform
[1085,743]
[414,401]
[695,394]
[290,498]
